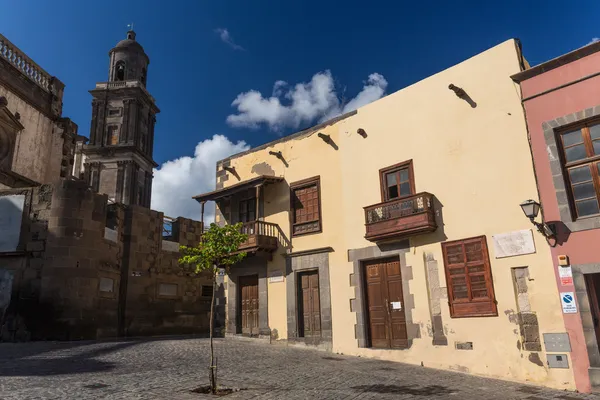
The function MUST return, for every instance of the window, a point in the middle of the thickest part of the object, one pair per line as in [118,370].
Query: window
[248,210]
[207,291]
[306,206]
[469,278]
[144,76]
[581,156]
[106,285]
[114,112]
[119,71]
[113,135]
[397,181]
[167,289]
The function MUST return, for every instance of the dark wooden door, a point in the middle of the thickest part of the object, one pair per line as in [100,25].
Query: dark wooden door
[385,304]
[249,304]
[309,305]
[593,288]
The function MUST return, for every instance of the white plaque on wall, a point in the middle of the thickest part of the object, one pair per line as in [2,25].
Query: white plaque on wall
[276,276]
[11,213]
[515,243]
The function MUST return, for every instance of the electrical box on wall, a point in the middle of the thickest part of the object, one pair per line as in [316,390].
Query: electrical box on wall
[557,361]
[563,260]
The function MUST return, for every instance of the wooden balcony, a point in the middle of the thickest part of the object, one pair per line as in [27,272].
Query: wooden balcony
[262,236]
[400,218]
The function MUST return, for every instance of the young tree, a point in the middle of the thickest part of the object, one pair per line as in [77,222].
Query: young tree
[216,250]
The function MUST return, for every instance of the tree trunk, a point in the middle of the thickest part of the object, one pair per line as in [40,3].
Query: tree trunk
[213,366]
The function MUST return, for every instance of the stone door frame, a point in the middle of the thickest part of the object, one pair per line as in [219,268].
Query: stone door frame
[305,261]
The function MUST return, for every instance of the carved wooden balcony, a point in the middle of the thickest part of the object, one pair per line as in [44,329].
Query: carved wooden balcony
[262,236]
[400,218]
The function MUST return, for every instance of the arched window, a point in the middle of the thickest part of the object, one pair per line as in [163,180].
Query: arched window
[144,76]
[120,71]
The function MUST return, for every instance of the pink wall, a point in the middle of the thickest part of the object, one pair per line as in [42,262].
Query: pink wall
[581,247]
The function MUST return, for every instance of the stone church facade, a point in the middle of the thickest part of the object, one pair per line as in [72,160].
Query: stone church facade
[82,255]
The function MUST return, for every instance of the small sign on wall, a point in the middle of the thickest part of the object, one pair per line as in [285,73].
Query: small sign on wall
[515,243]
[567,300]
[566,275]
[276,276]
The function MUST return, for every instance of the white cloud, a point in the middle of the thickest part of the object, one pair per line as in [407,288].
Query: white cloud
[594,40]
[176,181]
[227,38]
[303,103]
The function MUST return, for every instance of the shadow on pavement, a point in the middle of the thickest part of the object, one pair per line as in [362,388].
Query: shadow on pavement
[413,390]
[85,362]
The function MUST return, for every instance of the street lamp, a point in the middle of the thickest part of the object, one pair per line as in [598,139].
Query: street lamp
[531,208]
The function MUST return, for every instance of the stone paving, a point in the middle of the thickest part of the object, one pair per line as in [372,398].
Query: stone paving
[170,368]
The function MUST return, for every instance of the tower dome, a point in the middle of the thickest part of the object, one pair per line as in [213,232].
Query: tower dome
[128,61]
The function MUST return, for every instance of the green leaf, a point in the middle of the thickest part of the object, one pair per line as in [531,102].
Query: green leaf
[218,248]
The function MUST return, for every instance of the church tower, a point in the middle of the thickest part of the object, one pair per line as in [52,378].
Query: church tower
[118,157]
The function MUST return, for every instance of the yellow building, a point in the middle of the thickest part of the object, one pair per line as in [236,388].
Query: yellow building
[395,231]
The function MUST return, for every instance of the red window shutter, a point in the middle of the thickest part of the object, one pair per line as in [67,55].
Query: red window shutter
[469,278]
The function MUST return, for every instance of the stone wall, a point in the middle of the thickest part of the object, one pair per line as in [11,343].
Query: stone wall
[86,269]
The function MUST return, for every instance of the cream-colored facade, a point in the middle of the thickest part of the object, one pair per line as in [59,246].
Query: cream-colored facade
[474,157]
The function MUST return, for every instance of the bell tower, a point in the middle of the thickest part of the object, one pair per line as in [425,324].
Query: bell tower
[118,156]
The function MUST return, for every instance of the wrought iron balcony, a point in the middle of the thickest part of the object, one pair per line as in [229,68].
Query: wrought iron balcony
[399,218]
[262,236]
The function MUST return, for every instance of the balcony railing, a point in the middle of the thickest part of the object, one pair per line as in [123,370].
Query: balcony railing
[26,65]
[400,218]
[261,236]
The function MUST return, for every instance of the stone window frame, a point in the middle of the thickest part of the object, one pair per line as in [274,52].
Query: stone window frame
[551,129]
[358,304]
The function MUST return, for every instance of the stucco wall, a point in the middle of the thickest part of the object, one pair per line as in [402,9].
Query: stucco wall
[560,106]
[477,163]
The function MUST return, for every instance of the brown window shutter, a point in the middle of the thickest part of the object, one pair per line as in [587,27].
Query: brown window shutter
[469,278]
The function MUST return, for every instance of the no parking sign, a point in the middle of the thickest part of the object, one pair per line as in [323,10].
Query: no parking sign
[568,302]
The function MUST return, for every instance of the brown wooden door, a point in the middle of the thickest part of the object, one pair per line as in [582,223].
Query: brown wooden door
[249,304]
[593,289]
[385,303]
[309,305]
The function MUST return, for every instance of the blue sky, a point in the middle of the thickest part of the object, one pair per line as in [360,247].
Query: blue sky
[197,70]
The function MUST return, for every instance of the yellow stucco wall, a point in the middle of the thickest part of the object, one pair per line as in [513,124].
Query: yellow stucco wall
[477,163]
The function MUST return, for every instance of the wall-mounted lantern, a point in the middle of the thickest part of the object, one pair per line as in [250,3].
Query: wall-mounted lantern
[531,208]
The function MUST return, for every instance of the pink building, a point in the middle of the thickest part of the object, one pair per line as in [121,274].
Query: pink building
[561,99]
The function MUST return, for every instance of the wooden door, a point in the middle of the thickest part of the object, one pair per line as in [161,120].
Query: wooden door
[593,289]
[385,304]
[249,304]
[309,305]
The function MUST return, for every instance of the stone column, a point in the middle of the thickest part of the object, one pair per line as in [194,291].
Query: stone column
[127,182]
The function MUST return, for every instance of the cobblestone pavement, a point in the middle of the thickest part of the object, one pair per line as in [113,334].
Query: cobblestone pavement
[170,368]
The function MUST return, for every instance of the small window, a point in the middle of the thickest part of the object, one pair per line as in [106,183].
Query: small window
[167,289]
[120,71]
[581,152]
[107,285]
[306,206]
[113,135]
[248,210]
[397,181]
[469,278]
[114,112]
[207,291]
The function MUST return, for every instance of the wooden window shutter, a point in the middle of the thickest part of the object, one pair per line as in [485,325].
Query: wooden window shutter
[469,278]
